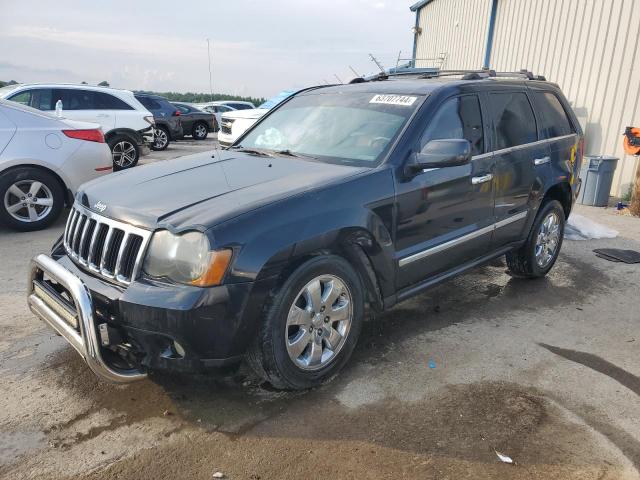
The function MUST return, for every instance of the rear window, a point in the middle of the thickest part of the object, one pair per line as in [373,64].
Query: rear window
[149,103]
[513,119]
[555,122]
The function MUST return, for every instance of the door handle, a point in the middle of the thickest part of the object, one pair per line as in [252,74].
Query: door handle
[541,161]
[482,179]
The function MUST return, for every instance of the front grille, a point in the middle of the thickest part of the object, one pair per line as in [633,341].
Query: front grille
[227,124]
[108,248]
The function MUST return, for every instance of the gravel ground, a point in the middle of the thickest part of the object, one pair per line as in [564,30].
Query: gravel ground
[546,372]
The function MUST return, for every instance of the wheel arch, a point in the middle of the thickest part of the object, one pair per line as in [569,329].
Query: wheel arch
[563,194]
[123,131]
[356,245]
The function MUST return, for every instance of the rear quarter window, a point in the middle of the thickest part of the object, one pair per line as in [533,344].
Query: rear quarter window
[105,101]
[554,119]
[149,103]
[514,121]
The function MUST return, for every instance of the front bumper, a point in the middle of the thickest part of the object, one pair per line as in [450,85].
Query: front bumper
[158,326]
[82,336]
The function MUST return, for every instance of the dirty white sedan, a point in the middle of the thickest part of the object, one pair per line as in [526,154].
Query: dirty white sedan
[43,160]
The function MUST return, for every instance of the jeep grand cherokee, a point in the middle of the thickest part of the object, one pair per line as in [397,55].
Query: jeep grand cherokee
[342,198]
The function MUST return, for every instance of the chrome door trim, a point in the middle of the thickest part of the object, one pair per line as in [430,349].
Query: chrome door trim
[532,144]
[457,241]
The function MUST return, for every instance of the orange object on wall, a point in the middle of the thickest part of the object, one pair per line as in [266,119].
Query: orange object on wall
[632,141]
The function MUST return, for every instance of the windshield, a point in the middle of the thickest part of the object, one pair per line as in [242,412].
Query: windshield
[4,91]
[355,129]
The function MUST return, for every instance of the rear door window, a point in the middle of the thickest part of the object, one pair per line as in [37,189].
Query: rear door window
[513,119]
[457,118]
[75,99]
[554,121]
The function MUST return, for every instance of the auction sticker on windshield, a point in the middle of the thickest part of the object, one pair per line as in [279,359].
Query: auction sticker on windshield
[402,100]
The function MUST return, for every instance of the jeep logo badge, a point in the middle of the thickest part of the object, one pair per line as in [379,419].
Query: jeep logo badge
[101,207]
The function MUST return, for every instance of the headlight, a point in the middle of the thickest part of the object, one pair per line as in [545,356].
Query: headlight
[186,258]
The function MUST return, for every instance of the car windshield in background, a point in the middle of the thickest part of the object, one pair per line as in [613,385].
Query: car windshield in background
[355,129]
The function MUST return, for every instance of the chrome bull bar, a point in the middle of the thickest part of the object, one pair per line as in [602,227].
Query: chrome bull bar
[85,339]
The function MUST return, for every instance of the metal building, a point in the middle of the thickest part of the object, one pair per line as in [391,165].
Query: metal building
[589,47]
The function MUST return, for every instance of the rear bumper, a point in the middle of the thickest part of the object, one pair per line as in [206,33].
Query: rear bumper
[82,336]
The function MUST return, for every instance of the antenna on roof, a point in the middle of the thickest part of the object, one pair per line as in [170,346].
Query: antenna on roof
[375,60]
[354,71]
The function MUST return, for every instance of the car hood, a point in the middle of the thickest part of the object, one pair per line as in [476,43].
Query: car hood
[199,191]
[248,114]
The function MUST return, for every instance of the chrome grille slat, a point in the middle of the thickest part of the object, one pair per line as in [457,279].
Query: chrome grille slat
[123,248]
[111,258]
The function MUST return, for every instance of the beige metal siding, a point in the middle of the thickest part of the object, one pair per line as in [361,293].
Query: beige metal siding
[456,29]
[590,48]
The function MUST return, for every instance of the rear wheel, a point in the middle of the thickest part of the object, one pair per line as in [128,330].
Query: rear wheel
[30,199]
[124,151]
[312,325]
[538,255]
[199,131]
[161,139]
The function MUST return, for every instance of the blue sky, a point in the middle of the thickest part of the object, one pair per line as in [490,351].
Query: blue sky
[259,47]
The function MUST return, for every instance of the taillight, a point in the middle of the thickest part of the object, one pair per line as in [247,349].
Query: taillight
[176,113]
[94,135]
[150,120]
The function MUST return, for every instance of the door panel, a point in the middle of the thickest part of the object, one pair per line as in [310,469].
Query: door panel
[520,162]
[443,219]
[444,216]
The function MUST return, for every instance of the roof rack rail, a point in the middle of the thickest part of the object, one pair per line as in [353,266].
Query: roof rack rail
[484,73]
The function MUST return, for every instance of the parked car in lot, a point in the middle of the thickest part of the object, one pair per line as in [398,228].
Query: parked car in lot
[127,125]
[234,124]
[237,104]
[195,122]
[217,111]
[43,160]
[166,117]
[342,198]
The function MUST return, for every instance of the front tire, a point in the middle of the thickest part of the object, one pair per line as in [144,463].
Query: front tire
[311,325]
[30,199]
[199,131]
[124,152]
[538,255]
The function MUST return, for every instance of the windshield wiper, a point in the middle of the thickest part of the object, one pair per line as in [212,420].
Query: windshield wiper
[251,151]
[289,153]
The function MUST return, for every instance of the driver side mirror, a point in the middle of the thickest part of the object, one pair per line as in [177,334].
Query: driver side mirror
[438,154]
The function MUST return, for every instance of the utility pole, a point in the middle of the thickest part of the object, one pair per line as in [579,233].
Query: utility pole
[210,77]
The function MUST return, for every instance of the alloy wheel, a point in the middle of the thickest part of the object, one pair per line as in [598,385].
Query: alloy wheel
[160,138]
[548,240]
[124,154]
[28,201]
[318,322]
[200,131]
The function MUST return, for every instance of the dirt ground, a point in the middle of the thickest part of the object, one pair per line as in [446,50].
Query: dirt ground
[546,372]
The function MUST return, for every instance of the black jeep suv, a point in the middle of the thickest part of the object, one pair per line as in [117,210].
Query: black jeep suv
[341,198]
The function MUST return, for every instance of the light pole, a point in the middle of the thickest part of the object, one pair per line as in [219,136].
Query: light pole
[210,77]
